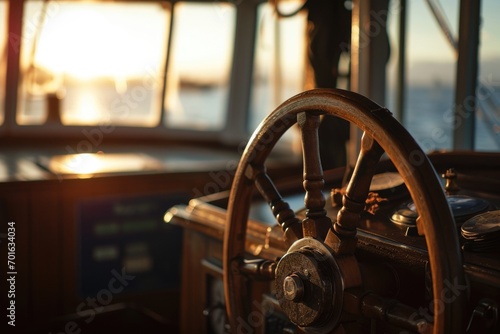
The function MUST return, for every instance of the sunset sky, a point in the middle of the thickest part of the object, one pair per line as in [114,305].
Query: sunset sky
[424,28]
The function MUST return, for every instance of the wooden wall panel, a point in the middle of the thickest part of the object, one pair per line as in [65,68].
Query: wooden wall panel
[15,209]
[46,250]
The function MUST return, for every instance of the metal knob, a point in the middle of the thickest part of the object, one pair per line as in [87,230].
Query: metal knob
[293,288]
[451,187]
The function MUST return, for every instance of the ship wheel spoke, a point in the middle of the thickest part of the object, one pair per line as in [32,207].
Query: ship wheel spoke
[342,238]
[281,210]
[316,223]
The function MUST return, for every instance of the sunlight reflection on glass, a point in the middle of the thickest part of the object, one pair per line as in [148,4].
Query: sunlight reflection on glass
[106,59]
[198,75]
[86,108]
[280,47]
[85,165]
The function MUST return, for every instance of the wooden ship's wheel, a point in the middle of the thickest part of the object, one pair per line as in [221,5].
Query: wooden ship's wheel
[318,281]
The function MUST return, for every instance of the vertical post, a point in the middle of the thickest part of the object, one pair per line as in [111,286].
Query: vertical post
[369,55]
[360,52]
[166,69]
[14,40]
[377,41]
[360,55]
[466,78]
[401,71]
[240,87]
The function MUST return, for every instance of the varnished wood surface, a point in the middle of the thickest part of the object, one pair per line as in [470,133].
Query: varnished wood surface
[210,220]
[30,164]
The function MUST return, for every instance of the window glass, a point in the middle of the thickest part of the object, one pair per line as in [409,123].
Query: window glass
[197,82]
[431,63]
[430,74]
[91,63]
[488,93]
[280,59]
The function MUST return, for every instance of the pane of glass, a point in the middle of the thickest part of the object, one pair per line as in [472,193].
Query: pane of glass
[488,93]
[3,53]
[98,63]
[431,66]
[430,78]
[200,64]
[280,60]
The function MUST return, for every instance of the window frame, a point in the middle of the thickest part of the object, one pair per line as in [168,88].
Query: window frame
[233,132]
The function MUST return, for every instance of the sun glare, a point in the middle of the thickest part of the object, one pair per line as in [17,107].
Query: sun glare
[106,60]
[203,36]
[89,40]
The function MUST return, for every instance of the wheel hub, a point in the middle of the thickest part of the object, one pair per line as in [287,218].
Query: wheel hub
[308,285]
